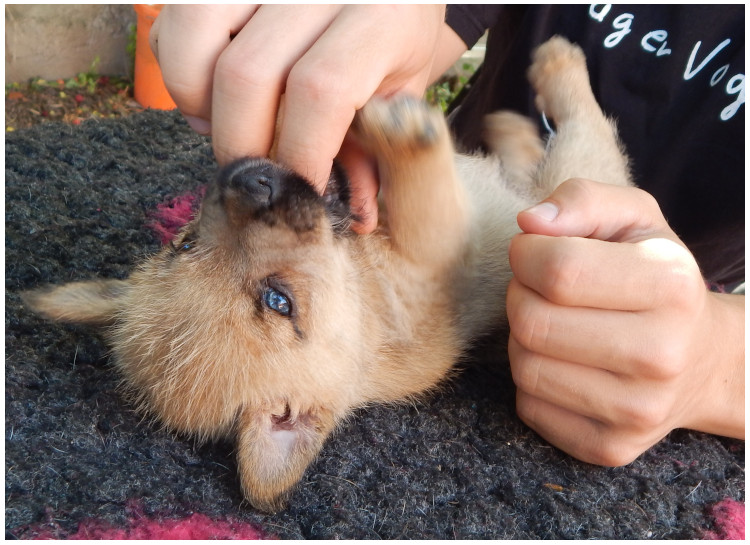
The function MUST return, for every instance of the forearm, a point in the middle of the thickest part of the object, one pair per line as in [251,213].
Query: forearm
[449,49]
[464,25]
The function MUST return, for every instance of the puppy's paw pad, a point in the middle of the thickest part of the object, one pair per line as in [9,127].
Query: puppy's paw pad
[554,57]
[401,123]
[559,76]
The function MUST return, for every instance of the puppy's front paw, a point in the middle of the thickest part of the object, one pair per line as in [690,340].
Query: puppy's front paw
[559,77]
[399,125]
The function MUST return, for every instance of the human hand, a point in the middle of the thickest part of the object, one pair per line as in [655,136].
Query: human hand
[615,340]
[227,66]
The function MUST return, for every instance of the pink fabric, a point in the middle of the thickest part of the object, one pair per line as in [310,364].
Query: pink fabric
[140,526]
[172,215]
[729,517]
[196,526]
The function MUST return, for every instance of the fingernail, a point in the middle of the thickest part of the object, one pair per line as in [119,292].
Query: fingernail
[199,125]
[546,210]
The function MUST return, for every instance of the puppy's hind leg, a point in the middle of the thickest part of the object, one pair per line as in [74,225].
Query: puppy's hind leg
[426,205]
[586,144]
[514,139]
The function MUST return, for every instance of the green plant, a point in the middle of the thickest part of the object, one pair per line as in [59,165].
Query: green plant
[87,79]
[130,49]
[443,92]
[447,88]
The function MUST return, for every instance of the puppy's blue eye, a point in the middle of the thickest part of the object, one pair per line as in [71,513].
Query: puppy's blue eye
[275,300]
[187,244]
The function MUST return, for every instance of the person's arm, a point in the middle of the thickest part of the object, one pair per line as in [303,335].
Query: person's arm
[450,47]
[615,340]
[464,25]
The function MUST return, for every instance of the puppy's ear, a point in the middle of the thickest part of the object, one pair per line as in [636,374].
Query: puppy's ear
[92,302]
[337,197]
[274,451]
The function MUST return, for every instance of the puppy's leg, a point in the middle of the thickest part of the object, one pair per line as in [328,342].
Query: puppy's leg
[586,144]
[514,139]
[427,208]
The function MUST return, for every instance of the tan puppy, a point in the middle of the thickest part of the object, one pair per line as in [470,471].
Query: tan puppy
[268,320]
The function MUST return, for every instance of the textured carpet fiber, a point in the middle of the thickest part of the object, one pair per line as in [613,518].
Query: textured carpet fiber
[459,464]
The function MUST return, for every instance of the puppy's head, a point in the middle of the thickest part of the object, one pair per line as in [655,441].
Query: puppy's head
[246,324]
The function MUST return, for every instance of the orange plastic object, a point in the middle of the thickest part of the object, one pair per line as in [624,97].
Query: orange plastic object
[149,86]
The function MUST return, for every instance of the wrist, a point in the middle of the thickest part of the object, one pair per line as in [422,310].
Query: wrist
[722,409]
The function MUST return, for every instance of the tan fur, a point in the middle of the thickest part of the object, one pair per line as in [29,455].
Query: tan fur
[378,318]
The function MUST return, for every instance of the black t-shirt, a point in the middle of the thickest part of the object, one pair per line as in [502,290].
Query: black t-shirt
[673,79]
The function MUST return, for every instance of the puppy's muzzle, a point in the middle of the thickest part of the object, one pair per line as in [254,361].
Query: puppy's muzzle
[254,182]
[258,189]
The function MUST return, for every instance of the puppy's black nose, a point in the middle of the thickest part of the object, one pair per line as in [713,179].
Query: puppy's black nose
[254,188]
[255,182]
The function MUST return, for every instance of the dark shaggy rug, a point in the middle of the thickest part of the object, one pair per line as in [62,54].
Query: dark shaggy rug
[459,464]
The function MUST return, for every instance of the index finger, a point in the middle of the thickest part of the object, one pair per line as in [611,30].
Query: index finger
[592,273]
[187,41]
[251,76]
[344,69]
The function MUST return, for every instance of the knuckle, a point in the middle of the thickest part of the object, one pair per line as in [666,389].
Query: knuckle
[526,409]
[647,202]
[613,453]
[687,288]
[577,184]
[525,372]
[643,410]
[242,72]
[661,353]
[319,80]
[529,325]
[186,95]
[579,190]
[680,284]
[644,415]
[561,275]
[664,360]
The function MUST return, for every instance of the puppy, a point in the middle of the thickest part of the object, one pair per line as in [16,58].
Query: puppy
[268,320]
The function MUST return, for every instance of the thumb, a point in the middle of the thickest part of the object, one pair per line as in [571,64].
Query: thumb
[363,185]
[587,209]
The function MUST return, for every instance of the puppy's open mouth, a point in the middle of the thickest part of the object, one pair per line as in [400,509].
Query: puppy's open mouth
[300,421]
[282,422]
